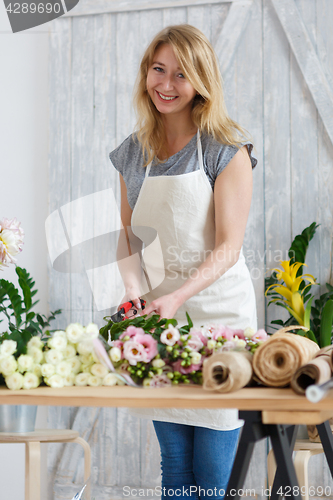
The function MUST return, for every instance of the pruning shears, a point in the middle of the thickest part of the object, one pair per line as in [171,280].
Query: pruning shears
[124,308]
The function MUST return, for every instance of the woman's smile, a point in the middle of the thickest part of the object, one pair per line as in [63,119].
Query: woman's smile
[167,86]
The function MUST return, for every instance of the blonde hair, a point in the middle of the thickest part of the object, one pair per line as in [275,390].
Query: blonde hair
[200,66]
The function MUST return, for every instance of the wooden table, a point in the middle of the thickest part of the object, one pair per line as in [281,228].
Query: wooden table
[267,412]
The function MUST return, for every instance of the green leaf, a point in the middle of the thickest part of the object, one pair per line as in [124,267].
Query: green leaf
[326,324]
[299,246]
[307,314]
[310,335]
[8,291]
[189,321]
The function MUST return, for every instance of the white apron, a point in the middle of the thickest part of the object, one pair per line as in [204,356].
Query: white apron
[181,209]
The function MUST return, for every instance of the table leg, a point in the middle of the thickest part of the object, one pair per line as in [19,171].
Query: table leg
[32,471]
[326,438]
[278,479]
[286,475]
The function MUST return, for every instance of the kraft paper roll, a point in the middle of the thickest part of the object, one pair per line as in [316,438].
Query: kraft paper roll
[317,371]
[227,371]
[278,358]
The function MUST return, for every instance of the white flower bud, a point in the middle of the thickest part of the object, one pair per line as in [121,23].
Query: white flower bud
[146,382]
[69,380]
[99,370]
[85,347]
[115,354]
[69,352]
[53,356]
[196,357]
[91,331]
[14,381]
[111,379]
[249,332]
[74,332]
[63,368]
[37,370]
[59,343]
[75,364]
[30,381]
[211,343]
[55,381]
[82,379]
[8,347]
[35,342]
[8,365]
[47,370]
[24,363]
[158,363]
[241,343]
[36,354]
[94,381]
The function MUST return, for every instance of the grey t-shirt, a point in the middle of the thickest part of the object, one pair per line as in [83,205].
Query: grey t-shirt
[128,160]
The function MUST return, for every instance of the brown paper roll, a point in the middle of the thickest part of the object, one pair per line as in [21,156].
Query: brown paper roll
[316,371]
[227,371]
[326,352]
[278,358]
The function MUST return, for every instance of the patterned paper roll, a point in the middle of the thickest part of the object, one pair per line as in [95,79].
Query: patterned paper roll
[317,371]
[278,358]
[227,371]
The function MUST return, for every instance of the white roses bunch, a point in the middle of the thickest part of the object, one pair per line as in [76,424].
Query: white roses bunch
[65,359]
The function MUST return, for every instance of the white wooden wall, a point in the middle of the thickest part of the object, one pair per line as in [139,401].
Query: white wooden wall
[276,60]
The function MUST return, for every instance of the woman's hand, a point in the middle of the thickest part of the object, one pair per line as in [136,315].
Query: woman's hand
[165,306]
[131,294]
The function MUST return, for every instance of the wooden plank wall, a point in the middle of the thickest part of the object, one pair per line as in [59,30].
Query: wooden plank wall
[93,65]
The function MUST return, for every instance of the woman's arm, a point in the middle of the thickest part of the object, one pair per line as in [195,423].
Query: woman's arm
[129,245]
[232,200]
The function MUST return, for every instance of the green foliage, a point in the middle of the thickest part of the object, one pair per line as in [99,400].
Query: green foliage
[23,323]
[299,246]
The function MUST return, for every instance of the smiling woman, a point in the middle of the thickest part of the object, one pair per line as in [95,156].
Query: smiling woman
[187,173]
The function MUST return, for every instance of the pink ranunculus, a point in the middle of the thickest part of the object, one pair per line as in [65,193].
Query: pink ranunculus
[134,352]
[149,344]
[131,331]
[185,369]
[200,334]
[260,335]
[194,343]
[222,331]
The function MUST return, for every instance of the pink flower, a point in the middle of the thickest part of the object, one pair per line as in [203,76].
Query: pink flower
[222,331]
[185,369]
[134,352]
[199,333]
[160,381]
[131,331]
[11,241]
[170,336]
[118,343]
[240,334]
[149,344]
[260,335]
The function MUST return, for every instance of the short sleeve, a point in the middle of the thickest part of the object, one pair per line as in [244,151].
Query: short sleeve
[217,156]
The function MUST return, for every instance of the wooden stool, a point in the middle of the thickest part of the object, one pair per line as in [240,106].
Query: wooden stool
[304,451]
[32,442]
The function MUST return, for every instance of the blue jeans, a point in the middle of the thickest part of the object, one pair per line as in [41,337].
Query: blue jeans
[196,461]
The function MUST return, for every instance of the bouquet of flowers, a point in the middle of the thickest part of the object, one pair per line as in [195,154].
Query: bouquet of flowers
[156,351]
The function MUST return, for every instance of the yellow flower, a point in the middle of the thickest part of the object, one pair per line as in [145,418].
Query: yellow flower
[292,297]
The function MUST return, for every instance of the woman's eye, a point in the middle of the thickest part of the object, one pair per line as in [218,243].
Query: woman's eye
[181,75]
[158,69]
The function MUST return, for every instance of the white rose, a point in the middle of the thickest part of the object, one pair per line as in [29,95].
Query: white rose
[30,381]
[35,342]
[14,381]
[85,347]
[86,368]
[99,370]
[47,370]
[8,365]
[24,363]
[69,351]
[53,356]
[8,347]
[59,343]
[86,359]
[60,333]
[158,363]
[249,332]
[69,380]
[75,364]
[55,381]
[211,343]
[63,368]
[74,332]
[115,354]
[36,354]
[111,379]
[82,379]
[37,370]
[196,357]
[94,357]
[94,381]
[91,331]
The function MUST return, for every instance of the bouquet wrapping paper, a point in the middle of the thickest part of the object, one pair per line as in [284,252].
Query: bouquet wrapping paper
[227,371]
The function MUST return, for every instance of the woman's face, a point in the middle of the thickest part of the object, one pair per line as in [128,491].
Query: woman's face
[167,86]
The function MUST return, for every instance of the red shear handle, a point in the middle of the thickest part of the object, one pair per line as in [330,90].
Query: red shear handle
[130,304]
